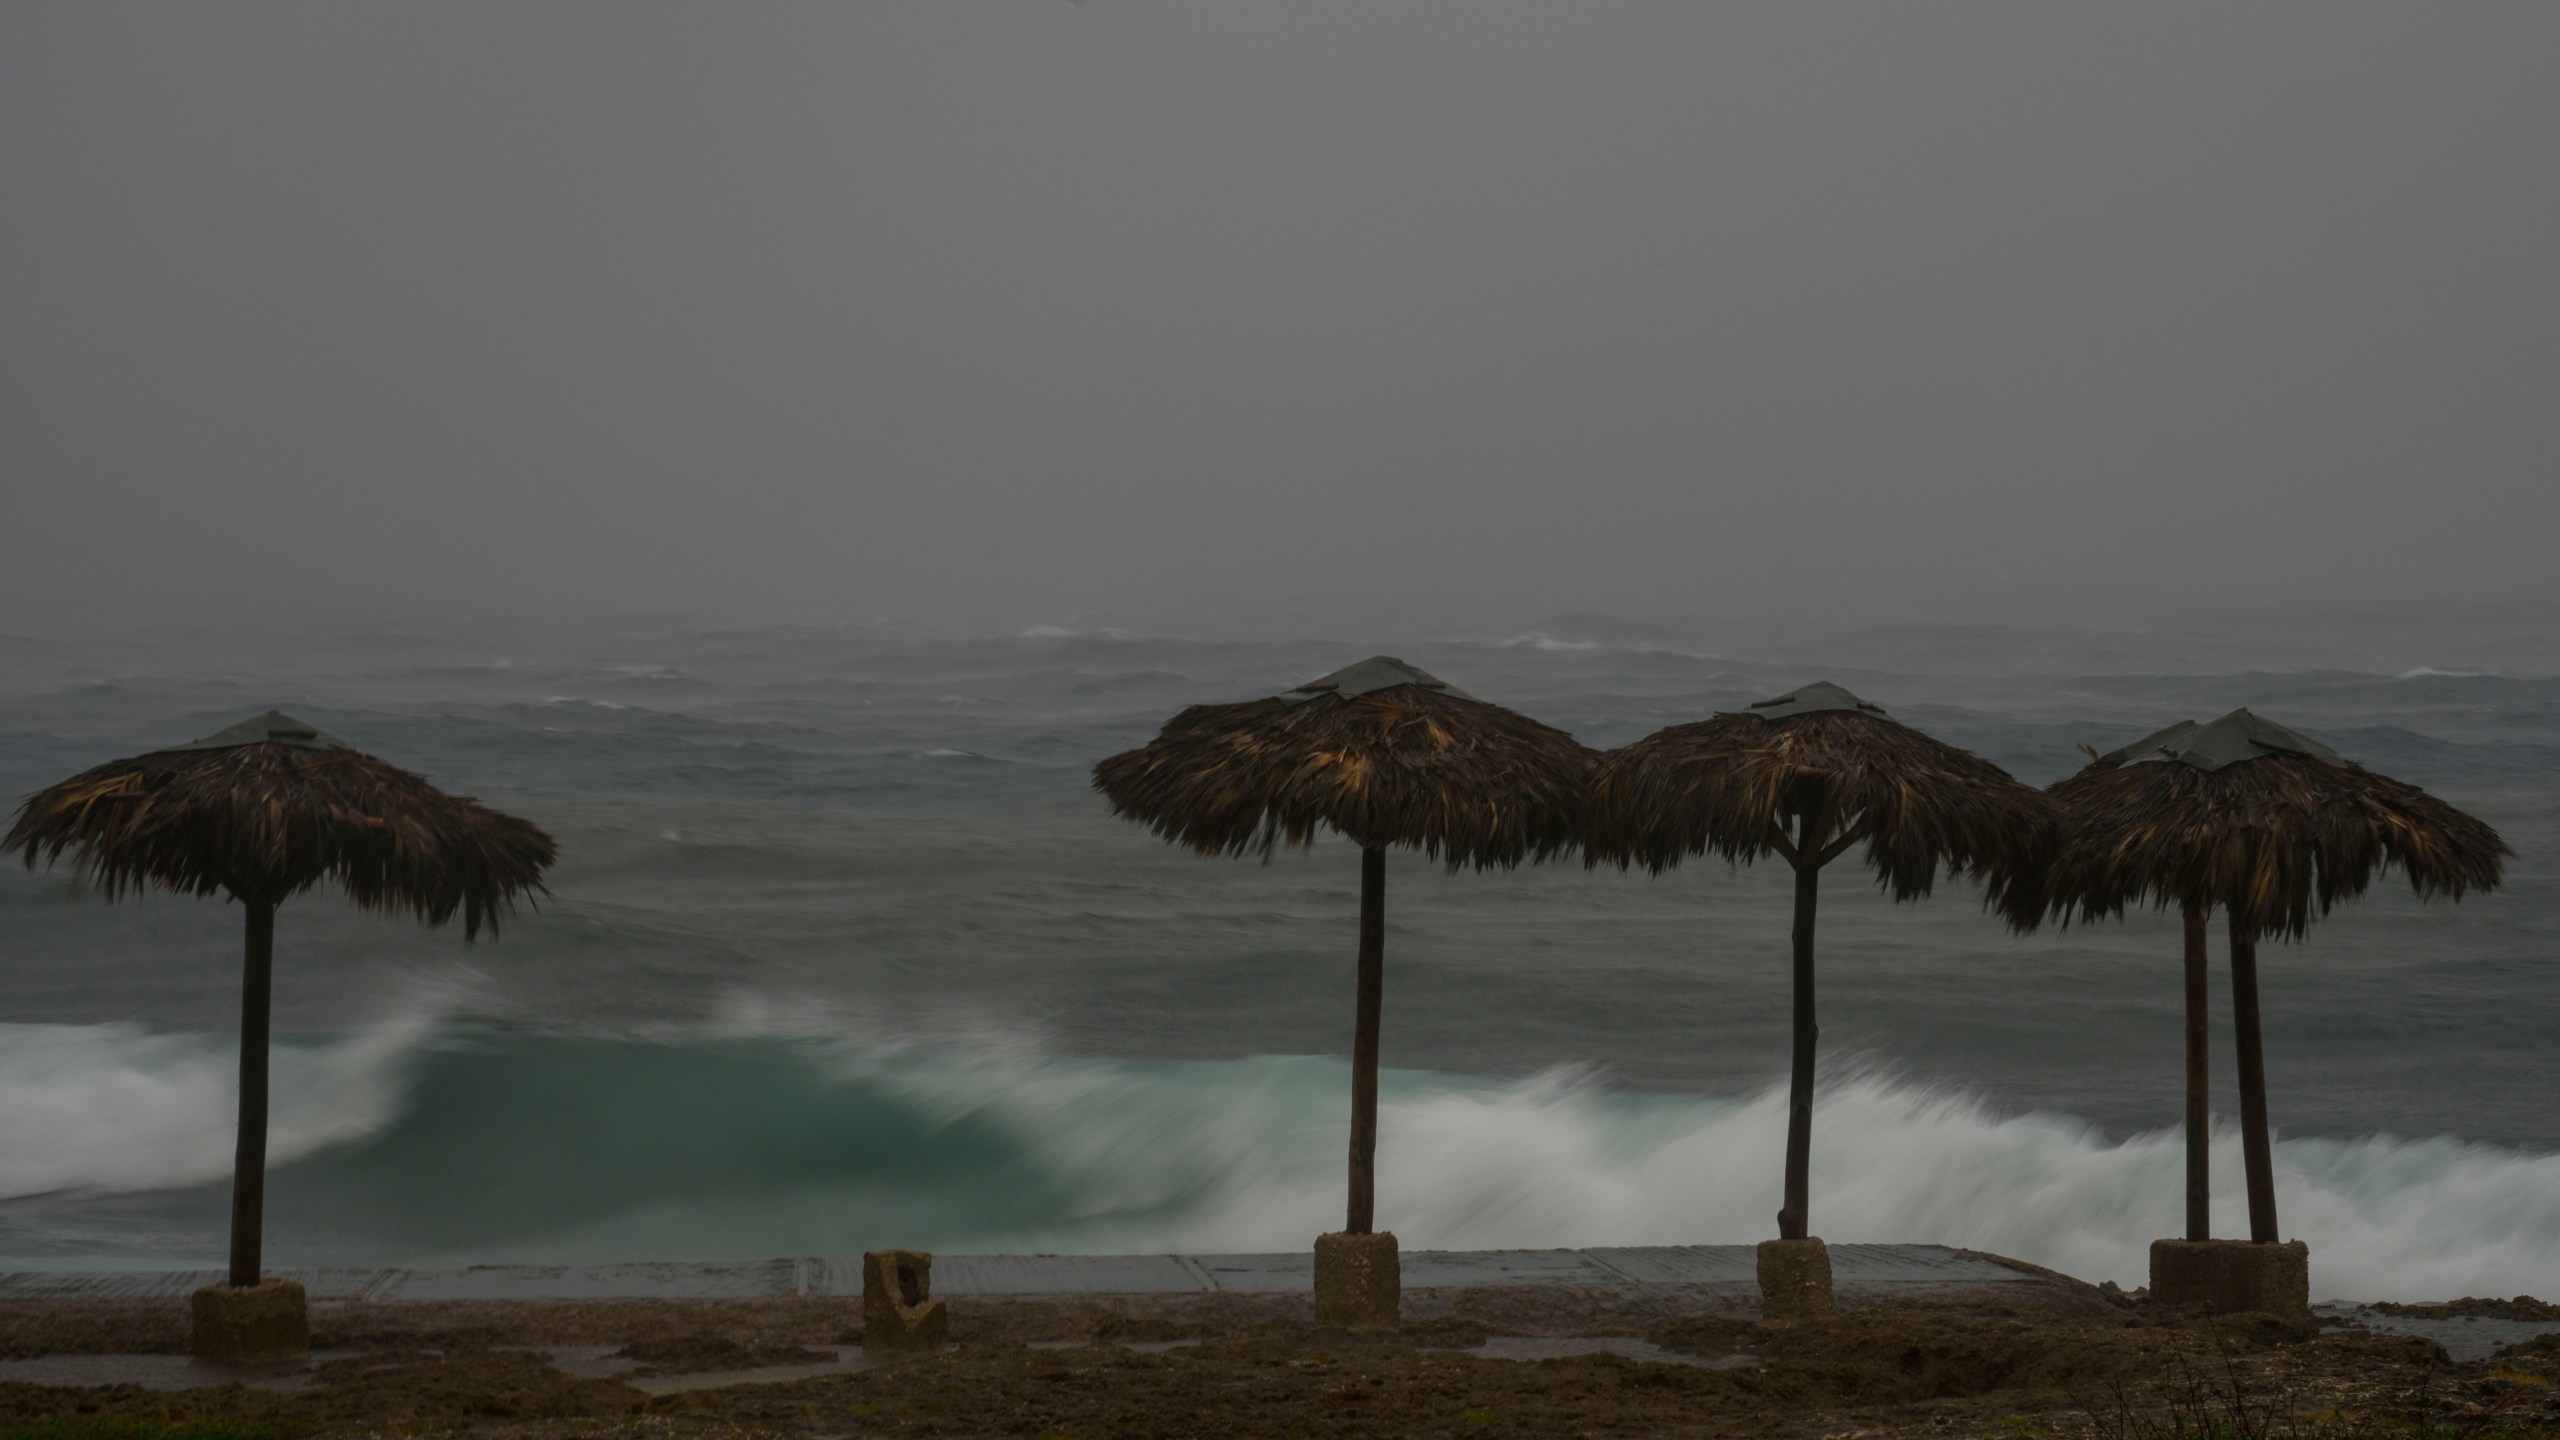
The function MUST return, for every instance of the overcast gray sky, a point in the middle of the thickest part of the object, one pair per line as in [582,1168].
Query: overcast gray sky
[842,310]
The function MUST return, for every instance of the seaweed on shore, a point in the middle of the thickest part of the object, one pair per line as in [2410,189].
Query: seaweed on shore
[2469,1307]
[704,1354]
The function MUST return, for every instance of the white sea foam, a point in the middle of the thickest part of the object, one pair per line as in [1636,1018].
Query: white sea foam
[118,1107]
[1558,1160]
[1065,632]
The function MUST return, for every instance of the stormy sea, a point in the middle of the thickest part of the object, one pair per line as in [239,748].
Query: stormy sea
[842,953]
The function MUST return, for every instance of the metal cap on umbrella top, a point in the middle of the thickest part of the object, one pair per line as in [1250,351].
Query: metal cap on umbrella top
[1378,672]
[2267,825]
[1808,776]
[2235,737]
[272,728]
[262,811]
[1389,757]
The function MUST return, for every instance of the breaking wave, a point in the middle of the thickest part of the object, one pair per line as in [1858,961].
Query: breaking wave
[449,1141]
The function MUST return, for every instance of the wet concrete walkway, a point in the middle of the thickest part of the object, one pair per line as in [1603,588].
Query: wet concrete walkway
[1884,1268]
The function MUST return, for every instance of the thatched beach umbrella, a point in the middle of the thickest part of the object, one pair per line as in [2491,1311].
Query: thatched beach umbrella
[2269,826]
[1386,756]
[261,812]
[1806,777]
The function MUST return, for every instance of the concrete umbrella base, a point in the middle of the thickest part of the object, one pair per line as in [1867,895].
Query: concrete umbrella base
[2230,1277]
[1359,1282]
[256,1324]
[1795,1281]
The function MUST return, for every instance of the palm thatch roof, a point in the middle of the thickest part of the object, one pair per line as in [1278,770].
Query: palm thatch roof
[1727,785]
[271,807]
[2248,816]
[1380,752]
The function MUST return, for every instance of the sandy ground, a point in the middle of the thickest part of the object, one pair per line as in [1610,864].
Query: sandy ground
[2052,1359]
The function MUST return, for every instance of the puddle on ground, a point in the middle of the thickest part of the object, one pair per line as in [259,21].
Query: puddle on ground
[600,1362]
[586,1362]
[162,1372]
[1143,1347]
[2464,1337]
[1560,1347]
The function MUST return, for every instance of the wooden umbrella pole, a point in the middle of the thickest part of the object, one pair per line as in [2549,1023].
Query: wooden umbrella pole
[2199,1073]
[1362,1212]
[1794,1218]
[2255,1148]
[249,1162]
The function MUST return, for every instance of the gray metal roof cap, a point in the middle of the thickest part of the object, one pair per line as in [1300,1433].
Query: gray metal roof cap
[1813,699]
[1378,672]
[2236,737]
[2158,745]
[273,728]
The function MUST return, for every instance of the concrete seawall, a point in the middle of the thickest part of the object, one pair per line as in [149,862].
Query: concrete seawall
[1867,1268]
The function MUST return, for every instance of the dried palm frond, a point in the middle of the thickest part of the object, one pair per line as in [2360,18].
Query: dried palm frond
[1411,764]
[2273,840]
[1729,785]
[264,821]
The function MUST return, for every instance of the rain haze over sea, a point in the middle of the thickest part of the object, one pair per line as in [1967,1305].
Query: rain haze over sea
[780,449]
